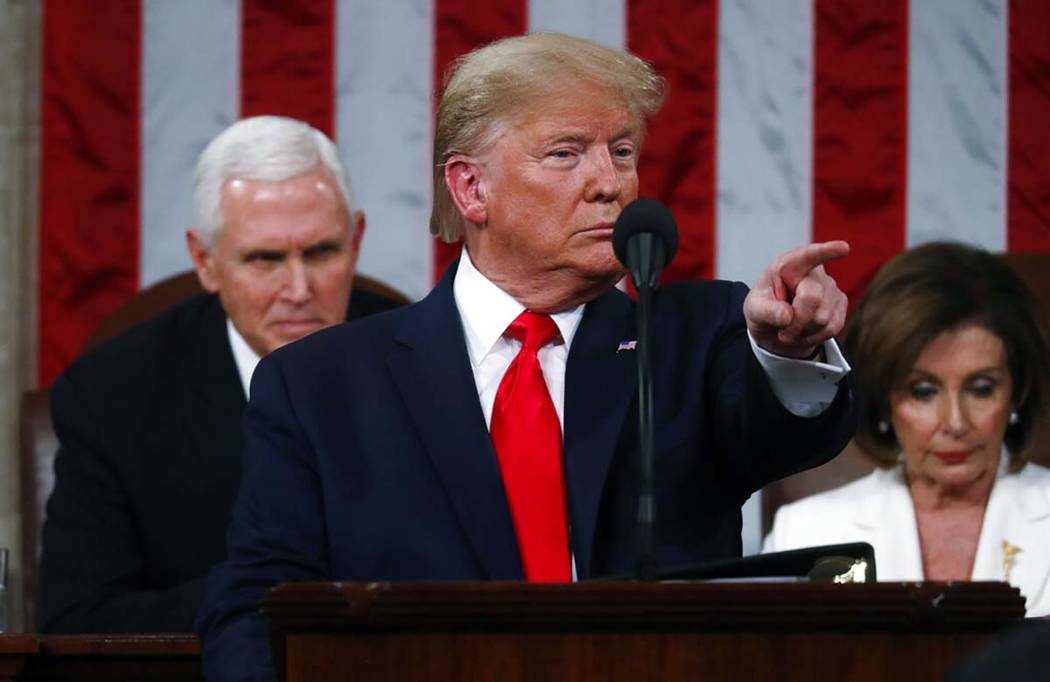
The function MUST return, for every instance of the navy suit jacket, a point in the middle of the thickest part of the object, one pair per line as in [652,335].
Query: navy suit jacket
[367,456]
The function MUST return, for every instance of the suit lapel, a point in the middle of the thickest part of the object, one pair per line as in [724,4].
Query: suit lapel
[599,385]
[1018,513]
[887,516]
[214,398]
[1030,533]
[430,366]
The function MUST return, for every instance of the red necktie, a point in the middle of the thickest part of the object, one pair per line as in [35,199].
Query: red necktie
[527,437]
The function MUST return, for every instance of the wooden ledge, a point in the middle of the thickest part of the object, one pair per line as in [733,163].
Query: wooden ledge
[632,606]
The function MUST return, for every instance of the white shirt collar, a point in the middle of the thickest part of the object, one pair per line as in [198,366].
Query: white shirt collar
[487,311]
[243,355]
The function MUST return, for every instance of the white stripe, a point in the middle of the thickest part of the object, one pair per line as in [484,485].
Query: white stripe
[385,68]
[956,121]
[763,147]
[603,21]
[764,139]
[190,93]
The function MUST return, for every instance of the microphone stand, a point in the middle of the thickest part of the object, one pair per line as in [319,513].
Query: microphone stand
[646,254]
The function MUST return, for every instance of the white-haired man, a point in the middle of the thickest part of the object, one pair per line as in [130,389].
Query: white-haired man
[149,422]
[487,432]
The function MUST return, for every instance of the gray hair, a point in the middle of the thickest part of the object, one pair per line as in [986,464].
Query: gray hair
[487,88]
[270,148]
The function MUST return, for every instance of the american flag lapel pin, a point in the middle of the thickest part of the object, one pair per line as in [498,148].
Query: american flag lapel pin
[626,345]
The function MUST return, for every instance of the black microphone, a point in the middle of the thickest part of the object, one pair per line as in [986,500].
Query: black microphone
[645,239]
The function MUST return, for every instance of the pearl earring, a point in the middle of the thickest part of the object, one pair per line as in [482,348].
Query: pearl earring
[1014,418]
[883,426]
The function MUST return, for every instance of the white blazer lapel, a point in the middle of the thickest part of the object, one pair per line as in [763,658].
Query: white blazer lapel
[1015,536]
[1000,519]
[887,517]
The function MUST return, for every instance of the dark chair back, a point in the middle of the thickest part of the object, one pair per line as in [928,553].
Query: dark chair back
[37,448]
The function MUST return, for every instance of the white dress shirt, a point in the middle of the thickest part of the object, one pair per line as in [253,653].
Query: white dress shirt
[805,388]
[243,355]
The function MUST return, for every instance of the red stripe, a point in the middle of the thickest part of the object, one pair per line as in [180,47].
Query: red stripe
[288,60]
[860,132]
[1028,179]
[89,177]
[680,39]
[459,27]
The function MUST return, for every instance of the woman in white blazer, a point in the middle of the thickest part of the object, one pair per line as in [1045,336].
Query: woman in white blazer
[951,367]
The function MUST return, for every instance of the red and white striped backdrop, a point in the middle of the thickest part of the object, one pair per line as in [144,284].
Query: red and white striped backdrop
[887,123]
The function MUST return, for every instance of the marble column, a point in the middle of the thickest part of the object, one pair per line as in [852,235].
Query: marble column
[19,151]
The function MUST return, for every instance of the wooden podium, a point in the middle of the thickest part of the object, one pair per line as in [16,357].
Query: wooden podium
[631,631]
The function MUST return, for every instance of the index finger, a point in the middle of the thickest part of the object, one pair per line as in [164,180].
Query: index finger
[798,263]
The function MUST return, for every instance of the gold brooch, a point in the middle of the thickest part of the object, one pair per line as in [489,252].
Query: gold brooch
[1010,553]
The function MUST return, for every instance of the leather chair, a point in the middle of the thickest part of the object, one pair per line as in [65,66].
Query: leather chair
[1034,269]
[37,447]
[38,443]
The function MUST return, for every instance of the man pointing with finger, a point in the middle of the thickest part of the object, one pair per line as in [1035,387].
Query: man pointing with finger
[489,432]
[795,307]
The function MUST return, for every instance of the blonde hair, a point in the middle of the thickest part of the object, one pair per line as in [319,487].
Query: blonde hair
[487,88]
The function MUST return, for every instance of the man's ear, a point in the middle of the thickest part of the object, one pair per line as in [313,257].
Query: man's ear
[203,261]
[464,180]
[357,227]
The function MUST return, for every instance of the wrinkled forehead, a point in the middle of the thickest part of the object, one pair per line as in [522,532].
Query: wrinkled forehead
[305,203]
[558,104]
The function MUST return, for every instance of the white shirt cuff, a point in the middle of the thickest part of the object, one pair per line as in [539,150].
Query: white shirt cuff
[804,387]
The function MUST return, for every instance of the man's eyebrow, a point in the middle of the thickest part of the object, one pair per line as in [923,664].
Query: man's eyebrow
[578,137]
[263,254]
[581,137]
[323,245]
[627,132]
